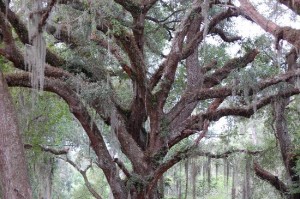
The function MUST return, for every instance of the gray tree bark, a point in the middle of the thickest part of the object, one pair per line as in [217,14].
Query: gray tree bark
[13,170]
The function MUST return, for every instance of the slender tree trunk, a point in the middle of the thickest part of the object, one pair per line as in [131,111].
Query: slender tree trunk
[186,169]
[13,170]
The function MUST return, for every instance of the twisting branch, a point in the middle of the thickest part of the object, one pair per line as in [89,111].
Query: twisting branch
[192,151]
[227,91]
[235,63]
[130,6]
[13,54]
[270,178]
[289,34]
[122,167]
[116,52]
[210,81]
[209,67]
[198,38]
[249,110]
[46,15]
[225,154]
[223,36]
[83,174]
[169,66]
[165,19]
[294,5]
[22,32]
[81,113]
[208,93]
[48,149]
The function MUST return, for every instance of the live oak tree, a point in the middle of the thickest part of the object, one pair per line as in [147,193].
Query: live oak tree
[90,52]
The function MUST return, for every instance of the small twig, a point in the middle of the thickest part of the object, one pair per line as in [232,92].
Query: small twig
[46,14]
[83,174]
[122,167]
[48,149]
[204,131]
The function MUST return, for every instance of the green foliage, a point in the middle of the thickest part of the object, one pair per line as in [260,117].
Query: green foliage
[98,181]
[5,66]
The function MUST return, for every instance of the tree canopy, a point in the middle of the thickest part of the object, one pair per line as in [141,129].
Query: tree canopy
[147,81]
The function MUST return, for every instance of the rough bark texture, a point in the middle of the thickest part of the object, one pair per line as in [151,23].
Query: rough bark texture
[13,168]
[272,179]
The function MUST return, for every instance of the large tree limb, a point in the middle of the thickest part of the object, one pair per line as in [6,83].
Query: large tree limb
[209,81]
[128,146]
[294,5]
[223,36]
[289,34]
[22,32]
[192,151]
[48,149]
[178,52]
[191,125]
[249,110]
[81,113]
[270,178]
[195,76]
[223,92]
[170,64]
[116,52]
[198,38]
[187,129]
[13,54]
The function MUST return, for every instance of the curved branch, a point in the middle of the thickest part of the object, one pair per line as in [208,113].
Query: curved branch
[45,15]
[116,52]
[223,92]
[130,5]
[83,174]
[289,34]
[169,66]
[122,167]
[223,36]
[81,113]
[186,129]
[294,5]
[165,19]
[210,81]
[188,50]
[270,178]
[22,32]
[191,151]
[48,149]
[249,110]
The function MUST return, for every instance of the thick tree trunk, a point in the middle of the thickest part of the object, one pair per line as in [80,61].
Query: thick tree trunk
[13,170]
[285,143]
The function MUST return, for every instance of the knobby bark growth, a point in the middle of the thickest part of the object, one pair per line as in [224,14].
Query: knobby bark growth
[146,128]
